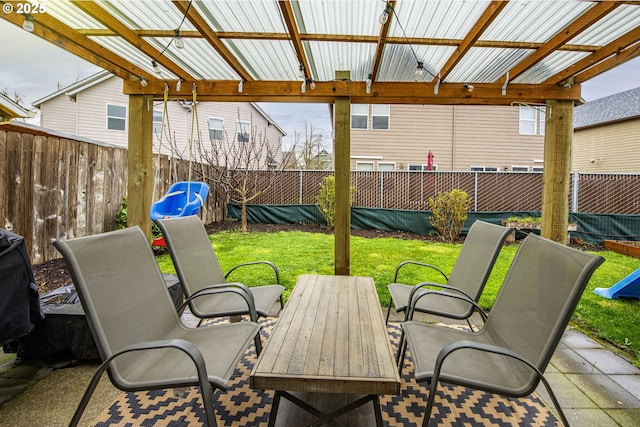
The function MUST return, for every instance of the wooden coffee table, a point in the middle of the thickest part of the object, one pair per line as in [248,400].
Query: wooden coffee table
[330,338]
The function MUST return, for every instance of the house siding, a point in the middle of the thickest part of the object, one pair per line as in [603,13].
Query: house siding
[87,117]
[458,136]
[60,114]
[607,148]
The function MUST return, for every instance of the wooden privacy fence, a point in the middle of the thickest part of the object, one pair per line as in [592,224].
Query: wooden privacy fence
[53,186]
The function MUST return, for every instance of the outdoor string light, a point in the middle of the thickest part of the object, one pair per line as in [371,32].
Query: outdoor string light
[27,25]
[240,85]
[178,41]
[384,16]
[369,81]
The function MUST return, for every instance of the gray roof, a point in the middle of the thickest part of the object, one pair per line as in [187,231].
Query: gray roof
[613,108]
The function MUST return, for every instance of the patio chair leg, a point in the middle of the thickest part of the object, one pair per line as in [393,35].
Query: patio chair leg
[258,342]
[433,385]
[386,322]
[402,351]
[552,395]
[87,394]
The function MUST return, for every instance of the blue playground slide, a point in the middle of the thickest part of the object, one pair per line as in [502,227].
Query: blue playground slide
[629,287]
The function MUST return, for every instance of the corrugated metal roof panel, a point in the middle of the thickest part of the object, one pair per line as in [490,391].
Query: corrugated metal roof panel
[622,20]
[325,58]
[68,14]
[266,60]
[243,16]
[336,17]
[549,66]
[399,61]
[485,65]
[158,15]
[534,21]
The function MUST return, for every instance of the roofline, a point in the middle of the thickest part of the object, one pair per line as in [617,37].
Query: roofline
[39,130]
[76,87]
[103,75]
[13,107]
[608,122]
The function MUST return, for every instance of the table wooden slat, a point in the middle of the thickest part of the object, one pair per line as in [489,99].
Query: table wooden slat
[330,338]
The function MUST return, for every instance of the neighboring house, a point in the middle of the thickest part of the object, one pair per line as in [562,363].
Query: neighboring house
[606,134]
[11,110]
[96,108]
[459,137]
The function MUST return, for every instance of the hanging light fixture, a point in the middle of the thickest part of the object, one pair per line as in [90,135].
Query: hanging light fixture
[384,16]
[155,65]
[368,86]
[303,86]
[143,82]
[240,85]
[178,85]
[301,72]
[419,70]
[27,25]
[312,84]
[178,41]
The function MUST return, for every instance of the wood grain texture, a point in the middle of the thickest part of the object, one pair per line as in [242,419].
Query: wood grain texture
[330,338]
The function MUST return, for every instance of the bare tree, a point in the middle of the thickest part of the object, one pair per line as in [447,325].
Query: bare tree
[17,96]
[244,166]
[311,152]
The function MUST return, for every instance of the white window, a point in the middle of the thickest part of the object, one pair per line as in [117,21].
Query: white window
[484,169]
[364,166]
[116,117]
[157,122]
[380,116]
[527,120]
[216,128]
[359,116]
[520,168]
[244,131]
[386,166]
[536,169]
[543,114]
[417,167]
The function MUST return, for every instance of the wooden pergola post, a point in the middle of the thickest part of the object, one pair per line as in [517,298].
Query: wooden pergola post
[556,175]
[342,153]
[140,162]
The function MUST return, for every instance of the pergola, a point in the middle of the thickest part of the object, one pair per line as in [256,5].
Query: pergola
[342,52]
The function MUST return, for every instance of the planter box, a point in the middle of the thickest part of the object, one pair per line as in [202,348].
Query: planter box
[529,225]
[622,247]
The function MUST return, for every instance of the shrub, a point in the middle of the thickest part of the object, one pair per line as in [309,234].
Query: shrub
[326,198]
[121,219]
[449,212]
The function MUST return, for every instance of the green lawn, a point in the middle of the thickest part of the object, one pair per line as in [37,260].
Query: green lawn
[298,253]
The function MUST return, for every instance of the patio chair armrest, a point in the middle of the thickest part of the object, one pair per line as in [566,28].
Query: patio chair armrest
[477,346]
[233,287]
[269,263]
[421,264]
[417,293]
[185,346]
[417,287]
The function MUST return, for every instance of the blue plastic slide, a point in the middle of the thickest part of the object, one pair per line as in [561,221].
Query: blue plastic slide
[629,287]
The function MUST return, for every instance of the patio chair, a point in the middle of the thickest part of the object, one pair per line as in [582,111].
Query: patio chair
[199,272]
[138,333]
[468,277]
[510,353]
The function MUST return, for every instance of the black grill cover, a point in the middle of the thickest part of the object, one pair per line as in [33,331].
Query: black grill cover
[19,302]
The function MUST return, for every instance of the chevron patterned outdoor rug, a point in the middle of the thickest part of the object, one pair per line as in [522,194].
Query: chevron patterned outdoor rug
[242,406]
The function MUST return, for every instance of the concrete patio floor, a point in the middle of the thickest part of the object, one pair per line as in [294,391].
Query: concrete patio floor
[594,385]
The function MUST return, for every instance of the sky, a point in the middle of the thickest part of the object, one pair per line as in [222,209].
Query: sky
[34,68]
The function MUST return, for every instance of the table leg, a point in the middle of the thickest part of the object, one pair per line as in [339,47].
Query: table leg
[274,409]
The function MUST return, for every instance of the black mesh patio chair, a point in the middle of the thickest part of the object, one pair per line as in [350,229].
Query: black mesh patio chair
[199,272]
[510,353]
[135,325]
[469,275]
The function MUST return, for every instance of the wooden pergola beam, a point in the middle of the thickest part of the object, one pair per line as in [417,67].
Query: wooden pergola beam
[63,36]
[384,31]
[488,16]
[382,93]
[619,58]
[187,9]
[294,35]
[98,13]
[616,47]
[583,22]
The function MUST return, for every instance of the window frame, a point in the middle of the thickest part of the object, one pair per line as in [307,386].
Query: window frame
[157,125]
[112,117]
[527,120]
[374,115]
[221,129]
[239,131]
[392,164]
[358,163]
[360,115]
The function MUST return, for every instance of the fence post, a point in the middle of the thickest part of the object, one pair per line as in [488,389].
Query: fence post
[574,190]
[475,192]
[300,192]
[381,189]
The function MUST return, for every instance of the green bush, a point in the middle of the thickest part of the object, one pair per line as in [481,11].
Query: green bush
[449,212]
[121,219]
[326,199]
